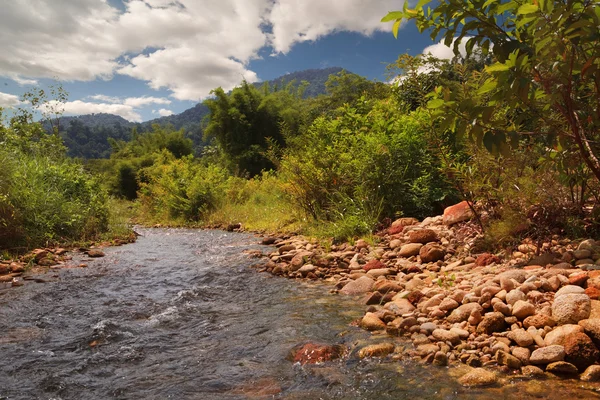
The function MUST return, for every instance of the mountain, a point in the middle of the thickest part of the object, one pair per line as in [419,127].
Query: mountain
[86,136]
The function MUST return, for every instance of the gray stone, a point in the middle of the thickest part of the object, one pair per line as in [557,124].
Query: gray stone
[571,308]
[446,336]
[547,355]
[409,250]
[515,295]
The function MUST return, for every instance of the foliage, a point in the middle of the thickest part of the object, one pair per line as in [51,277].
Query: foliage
[547,57]
[180,189]
[44,197]
[369,161]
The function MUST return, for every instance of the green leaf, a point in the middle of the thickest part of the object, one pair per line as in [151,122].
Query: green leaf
[527,9]
[395,28]
[435,103]
[392,16]
[488,86]
[498,67]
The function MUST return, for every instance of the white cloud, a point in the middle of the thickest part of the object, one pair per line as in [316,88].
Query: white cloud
[24,81]
[9,100]
[163,112]
[79,107]
[187,46]
[443,52]
[137,102]
[104,98]
[299,21]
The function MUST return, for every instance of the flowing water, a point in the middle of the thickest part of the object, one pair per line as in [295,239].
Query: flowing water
[181,315]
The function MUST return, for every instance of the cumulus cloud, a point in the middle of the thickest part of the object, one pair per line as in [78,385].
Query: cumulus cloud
[443,52]
[9,100]
[299,21]
[163,112]
[187,46]
[24,81]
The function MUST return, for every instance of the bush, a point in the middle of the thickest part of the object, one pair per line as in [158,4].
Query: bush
[368,162]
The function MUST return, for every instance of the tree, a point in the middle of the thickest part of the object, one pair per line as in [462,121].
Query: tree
[546,71]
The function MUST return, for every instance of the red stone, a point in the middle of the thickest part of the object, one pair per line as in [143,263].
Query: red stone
[593,293]
[422,236]
[373,264]
[394,230]
[579,279]
[486,259]
[313,353]
[457,213]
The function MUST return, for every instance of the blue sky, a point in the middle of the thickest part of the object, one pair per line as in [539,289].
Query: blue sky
[143,59]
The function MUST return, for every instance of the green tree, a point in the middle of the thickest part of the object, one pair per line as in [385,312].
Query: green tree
[546,71]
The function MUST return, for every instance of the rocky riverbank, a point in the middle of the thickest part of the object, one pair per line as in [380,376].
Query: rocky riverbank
[528,314]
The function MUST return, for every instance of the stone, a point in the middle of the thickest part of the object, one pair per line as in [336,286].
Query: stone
[592,328]
[521,337]
[516,274]
[314,353]
[569,289]
[580,351]
[487,259]
[431,252]
[591,374]
[532,371]
[405,221]
[286,248]
[503,308]
[269,240]
[377,272]
[478,377]
[299,259]
[515,295]
[539,321]
[581,254]
[571,308]
[399,306]
[507,284]
[523,309]
[547,355]
[385,286]
[562,368]
[422,236]
[492,322]
[395,243]
[409,250]
[446,336]
[463,312]
[428,327]
[457,213]
[362,285]
[373,264]
[522,353]
[306,268]
[510,361]
[440,359]
[448,304]
[372,322]
[558,335]
[373,298]
[376,350]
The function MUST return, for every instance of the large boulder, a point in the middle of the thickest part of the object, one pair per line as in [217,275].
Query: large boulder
[571,308]
[457,213]
[558,335]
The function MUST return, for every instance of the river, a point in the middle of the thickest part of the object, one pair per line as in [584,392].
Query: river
[181,315]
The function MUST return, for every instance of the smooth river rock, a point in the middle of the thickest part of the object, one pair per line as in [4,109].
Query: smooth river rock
[362,285]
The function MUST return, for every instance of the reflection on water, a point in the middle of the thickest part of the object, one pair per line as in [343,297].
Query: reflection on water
[180,315]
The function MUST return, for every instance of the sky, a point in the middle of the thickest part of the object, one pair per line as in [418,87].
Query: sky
[142,59]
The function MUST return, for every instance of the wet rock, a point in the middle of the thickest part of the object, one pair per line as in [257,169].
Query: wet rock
[510,361]
[299,259]
[313,353]
[580,351]
[372,322]
[492,322]
[522,353]
[409,250]
[558,335]
[591,374]
[532,371]
[95,253]
[307,268]
[431,252]
[422,236]
[457,213]
[376,350]
[478,377]
[562,368]
[267,241]
[547,355]
[571,308]
[362,285]
[523,309]
[440,359]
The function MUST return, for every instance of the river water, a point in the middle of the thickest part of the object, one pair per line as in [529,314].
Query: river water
[181,315]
